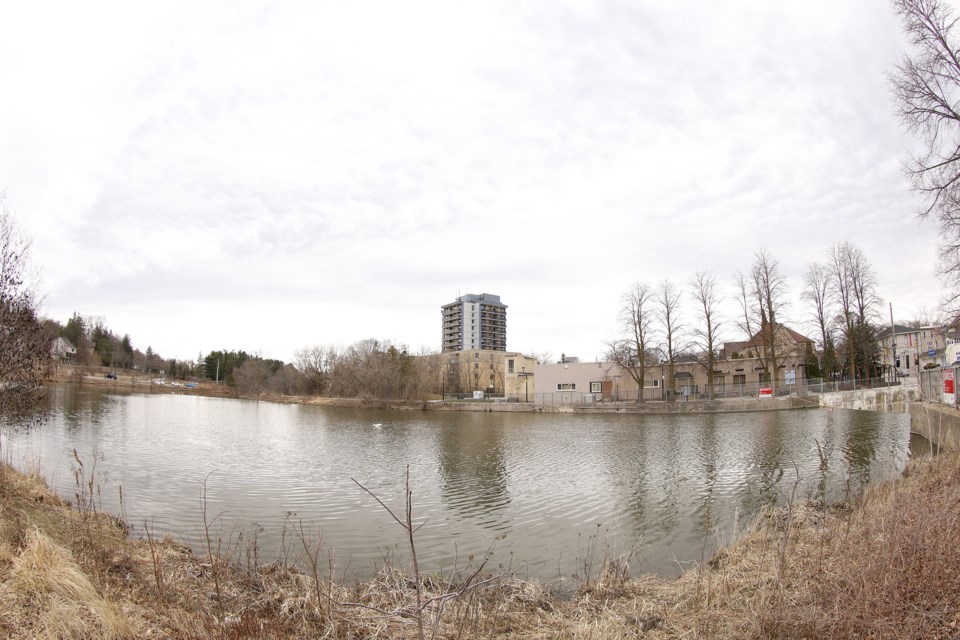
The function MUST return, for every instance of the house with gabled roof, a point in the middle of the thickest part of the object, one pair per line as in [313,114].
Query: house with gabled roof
[769,357]
[739,370]
[912,349]
[62,350]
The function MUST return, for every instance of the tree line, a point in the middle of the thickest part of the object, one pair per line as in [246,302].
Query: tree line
[97,345]
[662,323]
[370,368]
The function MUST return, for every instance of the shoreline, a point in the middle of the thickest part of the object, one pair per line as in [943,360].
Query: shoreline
[144,384]
[885,566]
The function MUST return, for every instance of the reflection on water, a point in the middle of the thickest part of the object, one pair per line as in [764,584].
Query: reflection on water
[551,483]
[472,465]
[22,408]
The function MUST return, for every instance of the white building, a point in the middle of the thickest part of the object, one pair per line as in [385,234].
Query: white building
[62,350]
[475,322]
[910,349]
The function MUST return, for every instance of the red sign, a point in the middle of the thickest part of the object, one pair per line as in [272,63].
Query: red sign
[948,381]
[766,392]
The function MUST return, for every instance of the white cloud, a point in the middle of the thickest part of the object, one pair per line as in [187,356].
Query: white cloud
[245,175]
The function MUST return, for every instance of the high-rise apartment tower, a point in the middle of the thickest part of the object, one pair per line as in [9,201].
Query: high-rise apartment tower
[475,322]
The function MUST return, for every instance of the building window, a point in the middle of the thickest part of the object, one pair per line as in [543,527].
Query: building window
[596,387]
[740,378]
[566,386]
[652,383]
[510,366]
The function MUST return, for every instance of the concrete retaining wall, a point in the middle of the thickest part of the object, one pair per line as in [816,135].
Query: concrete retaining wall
[937,423]
[883,400]
[716,406]
[700,406]
[481,407]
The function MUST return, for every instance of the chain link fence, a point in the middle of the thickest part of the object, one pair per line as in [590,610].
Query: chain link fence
[939,385]
[720,392]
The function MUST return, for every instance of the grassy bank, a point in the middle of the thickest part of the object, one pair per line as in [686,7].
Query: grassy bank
[132,382]
[886,568]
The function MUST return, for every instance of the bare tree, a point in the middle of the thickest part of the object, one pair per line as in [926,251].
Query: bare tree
[315,363]
[288,381]
[816,292]
[24,345]
[842,291]
[429,369]
[926,87]
[926,317]
[746,321]
[496,370]
[762,299]
[463,374]
[854,290]
[707,298]
[629,352]
[252,377]
[866,304]
[668,314]
[374,369]
[544,357]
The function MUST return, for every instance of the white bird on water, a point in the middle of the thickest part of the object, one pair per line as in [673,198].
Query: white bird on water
[377,425]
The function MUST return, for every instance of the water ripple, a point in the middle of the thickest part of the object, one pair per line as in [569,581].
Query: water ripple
[551,484]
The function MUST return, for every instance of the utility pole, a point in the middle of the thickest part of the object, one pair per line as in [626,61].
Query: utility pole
[523,374]
[893,337]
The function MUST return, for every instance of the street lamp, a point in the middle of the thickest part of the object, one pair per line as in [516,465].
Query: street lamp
[662,392]
[523,374]
[661,360]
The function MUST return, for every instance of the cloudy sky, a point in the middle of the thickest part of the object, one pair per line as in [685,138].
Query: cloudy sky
[268,176]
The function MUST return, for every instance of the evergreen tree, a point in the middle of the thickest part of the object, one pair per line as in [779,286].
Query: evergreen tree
[75,330]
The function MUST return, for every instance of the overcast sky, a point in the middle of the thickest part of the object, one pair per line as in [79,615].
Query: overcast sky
[268,176]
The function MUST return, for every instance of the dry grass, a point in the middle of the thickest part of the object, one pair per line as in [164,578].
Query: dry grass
[887,568]
[46,581]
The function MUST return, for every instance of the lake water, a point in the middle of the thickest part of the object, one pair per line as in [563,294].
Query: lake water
[548,491]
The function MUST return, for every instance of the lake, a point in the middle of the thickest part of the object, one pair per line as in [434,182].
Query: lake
[549,492]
